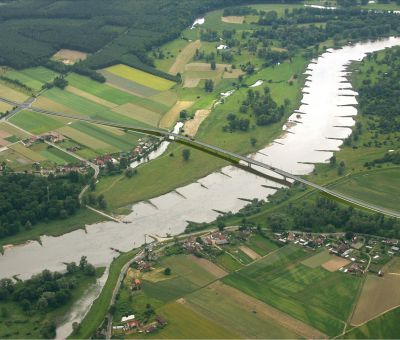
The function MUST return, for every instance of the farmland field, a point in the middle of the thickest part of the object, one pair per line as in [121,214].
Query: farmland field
[314,296]
[28,153]
[5,107]
[139,113]
[127,85]
[318,259]
[140,77]
[103,91]
[172,115]
[35,123]
[183,323]
[53,154]
[124,142]
[228,263]
[34,78]
[261,245]
[249,317]
[12,94]
[378,295]
[84,139]
[186,267]
[383,327]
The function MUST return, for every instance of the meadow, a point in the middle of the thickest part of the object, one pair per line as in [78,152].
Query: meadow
[33,78]
[315,296]
[380,187]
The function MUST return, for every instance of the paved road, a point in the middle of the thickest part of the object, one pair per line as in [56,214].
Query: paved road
[17,106]
[234,158]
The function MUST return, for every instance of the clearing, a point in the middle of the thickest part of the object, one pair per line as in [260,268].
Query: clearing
[141,77]
[184,57]
[169,119]
[232,19]
[378,295]
[70,57]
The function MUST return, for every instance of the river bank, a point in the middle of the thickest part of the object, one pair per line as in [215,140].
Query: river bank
[315,129]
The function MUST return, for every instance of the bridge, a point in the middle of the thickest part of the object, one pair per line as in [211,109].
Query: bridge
[243,162]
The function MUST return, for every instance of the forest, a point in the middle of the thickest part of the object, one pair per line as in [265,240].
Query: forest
[379,95]
[112,31]
[27,199]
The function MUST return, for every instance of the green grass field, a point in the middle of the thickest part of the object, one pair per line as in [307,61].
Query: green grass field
[53,154]
[183,323]
[102,91]
[261,245]
[228,263]
[186,267]
[123,142]
[380,187]
[34,122]
[32,77]
[314,296]
[224,309]
[140,77]
[383,327]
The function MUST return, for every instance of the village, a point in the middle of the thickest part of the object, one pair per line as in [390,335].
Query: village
[361,253]
[70,160]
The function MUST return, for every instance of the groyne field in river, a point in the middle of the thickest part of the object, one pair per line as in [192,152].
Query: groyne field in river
[241,75]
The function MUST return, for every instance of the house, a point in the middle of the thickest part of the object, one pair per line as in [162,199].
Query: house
[128,318]
[395,248]
[220,239]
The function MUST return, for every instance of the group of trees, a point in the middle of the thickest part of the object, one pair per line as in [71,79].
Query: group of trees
[45,291]
[339,25]
[378,95]
[325,215]
[262,107]
[28,199]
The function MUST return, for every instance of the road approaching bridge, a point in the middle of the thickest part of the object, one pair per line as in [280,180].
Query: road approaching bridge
[243,162]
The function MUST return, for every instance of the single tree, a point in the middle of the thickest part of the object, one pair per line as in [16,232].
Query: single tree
[186,154]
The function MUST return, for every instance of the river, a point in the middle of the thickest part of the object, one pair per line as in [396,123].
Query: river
[317,128]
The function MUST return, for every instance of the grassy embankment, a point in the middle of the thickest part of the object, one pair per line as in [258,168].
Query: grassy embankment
[82,218]
[100,307]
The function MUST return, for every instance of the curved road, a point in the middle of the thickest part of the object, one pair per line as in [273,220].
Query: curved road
[232,157]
